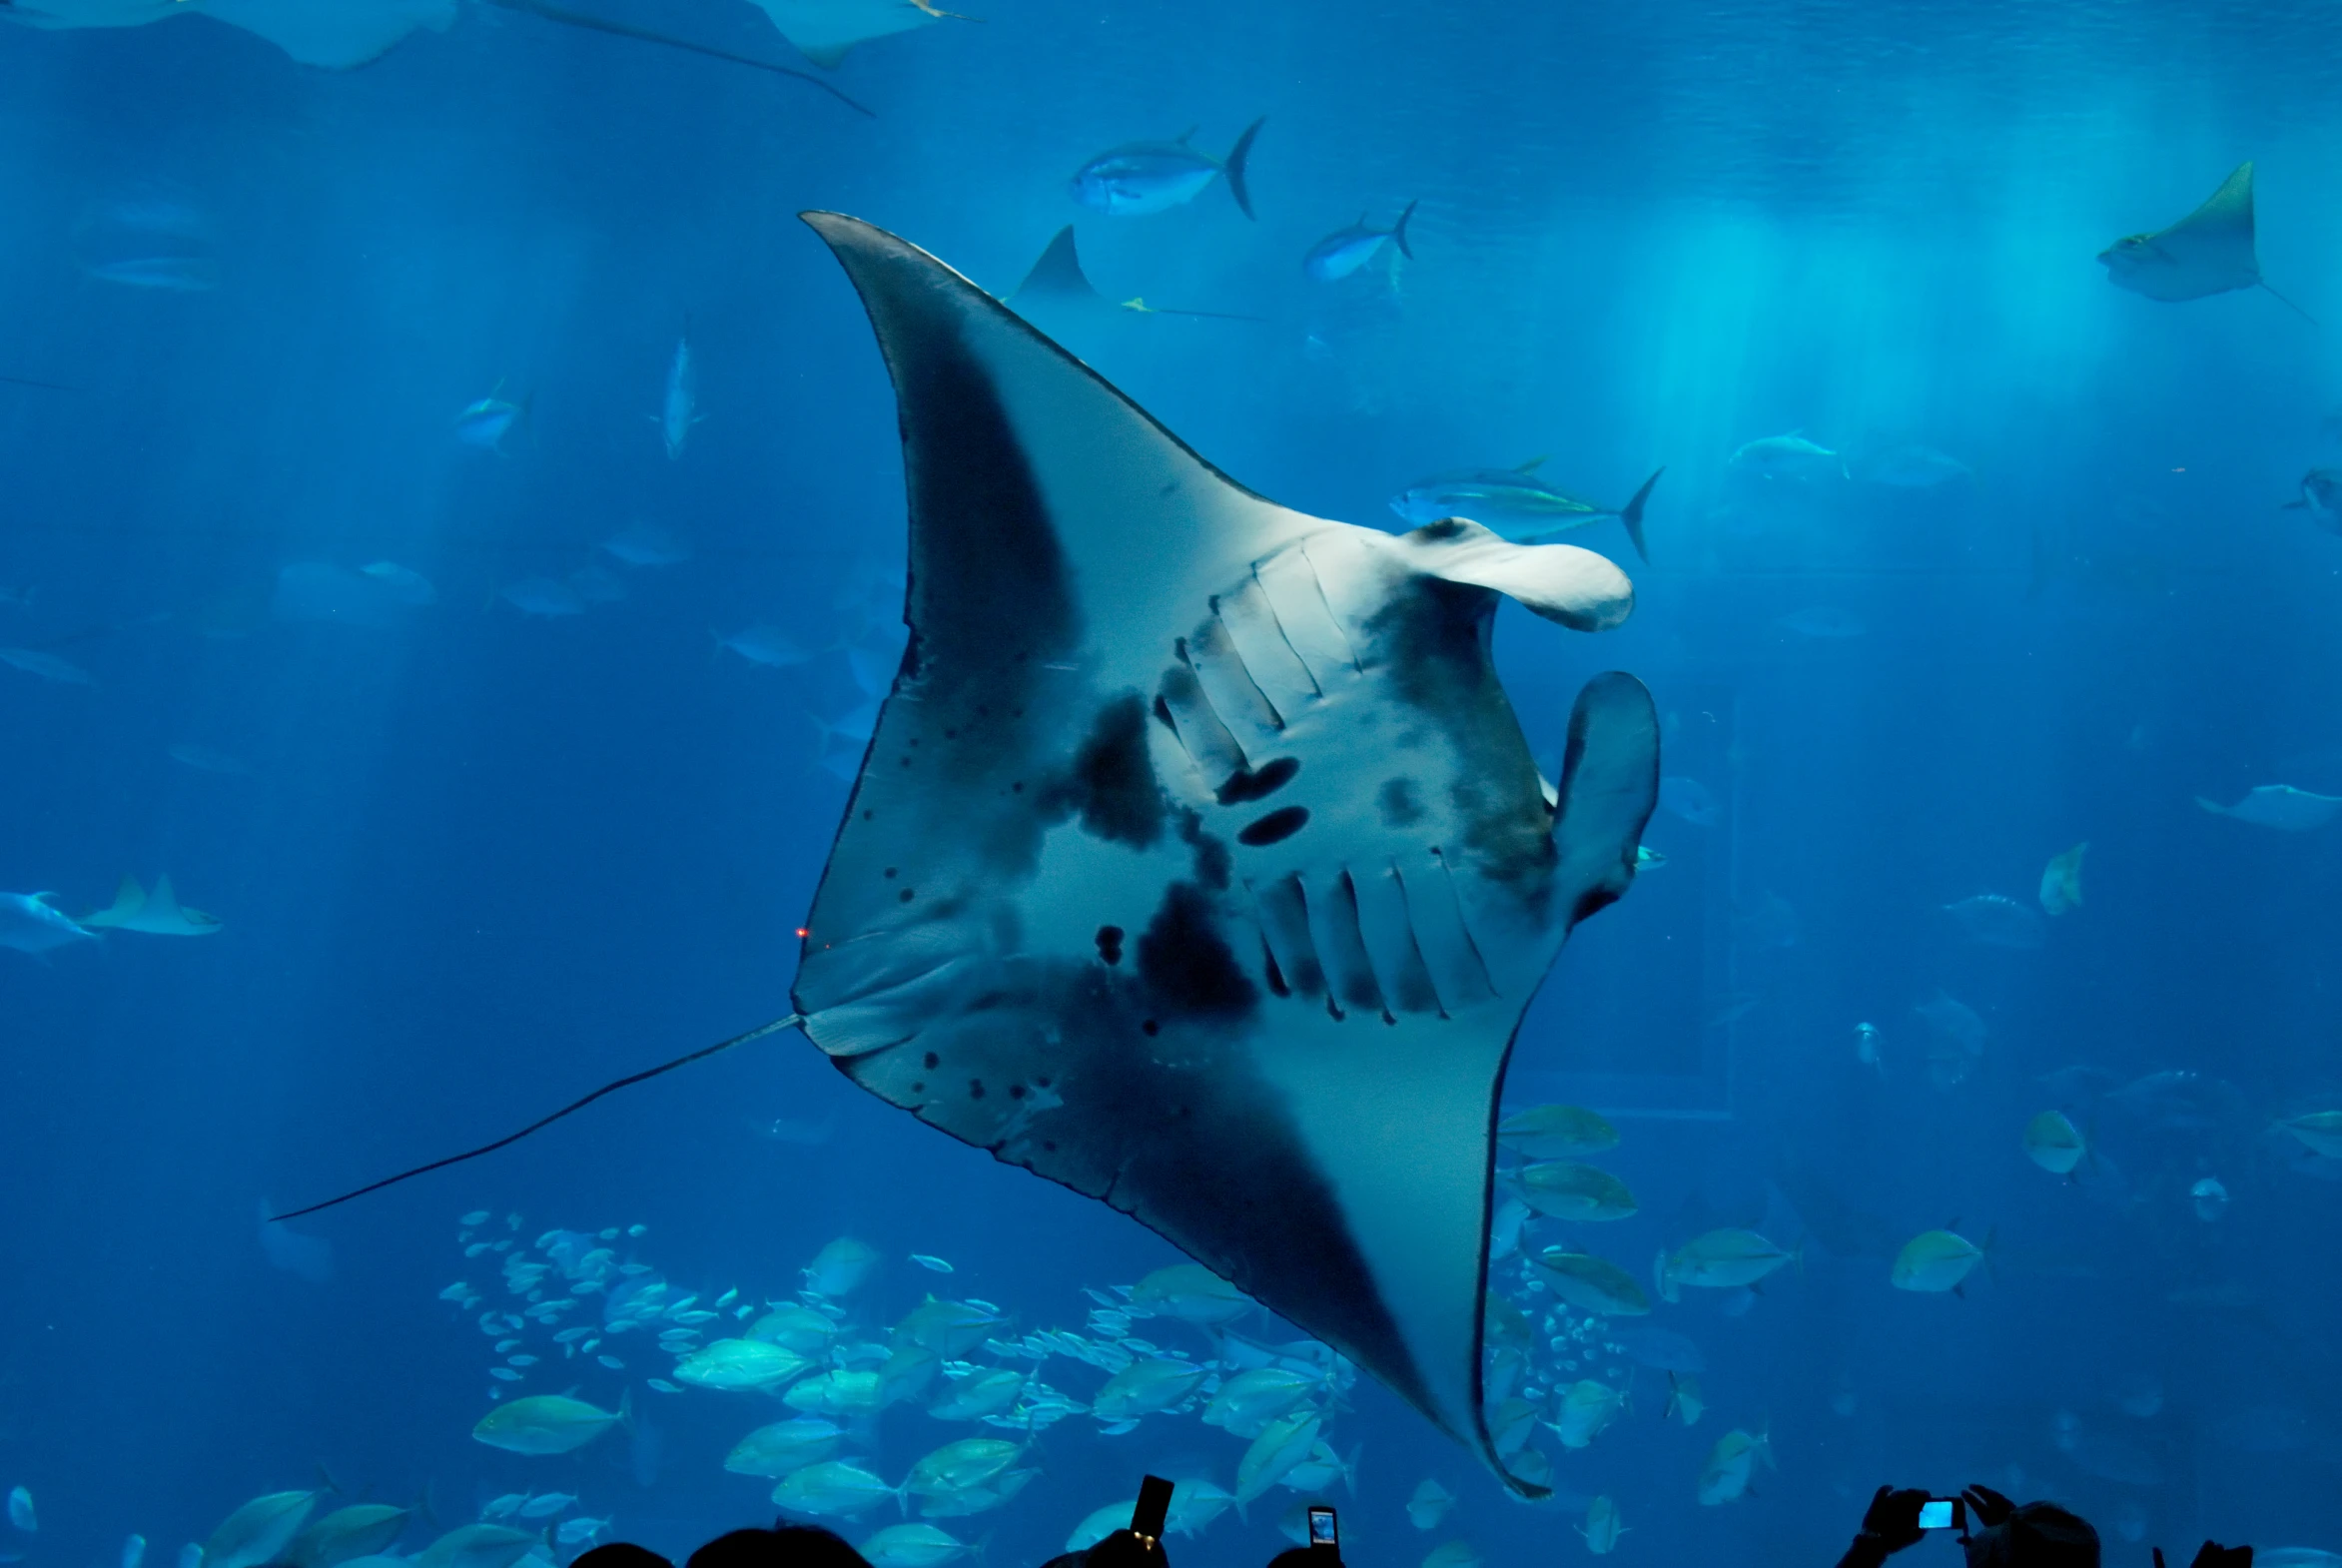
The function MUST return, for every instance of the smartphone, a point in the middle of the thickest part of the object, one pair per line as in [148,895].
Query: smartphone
[1155,1500]
[1943,1513]
[1322,1530]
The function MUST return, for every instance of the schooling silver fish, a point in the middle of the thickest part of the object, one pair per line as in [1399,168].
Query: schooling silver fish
[1152,177]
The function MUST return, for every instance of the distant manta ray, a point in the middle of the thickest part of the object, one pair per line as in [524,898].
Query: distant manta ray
[1199,862]
[1057,281]
[342,34]
[2208,251]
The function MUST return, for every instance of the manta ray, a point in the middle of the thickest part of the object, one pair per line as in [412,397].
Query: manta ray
[823,30]
[339,35]
[1197,861]
[2208,251]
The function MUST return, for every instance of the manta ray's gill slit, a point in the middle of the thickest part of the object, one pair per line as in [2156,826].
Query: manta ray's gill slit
[1196,724]
[1235,696]
[1282,909]
[1270,972]
[1390,942]
[1259,640]
[1442,911]
[1305,616]
[1333,924]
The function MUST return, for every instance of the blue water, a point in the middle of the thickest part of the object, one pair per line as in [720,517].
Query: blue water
[472,863]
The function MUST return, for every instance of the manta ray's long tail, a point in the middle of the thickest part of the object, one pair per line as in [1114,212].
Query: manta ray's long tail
[2289,304]
[568,18]
[628,1082]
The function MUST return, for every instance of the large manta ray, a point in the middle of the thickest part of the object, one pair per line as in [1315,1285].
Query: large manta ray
[1197,861]
[2208,251]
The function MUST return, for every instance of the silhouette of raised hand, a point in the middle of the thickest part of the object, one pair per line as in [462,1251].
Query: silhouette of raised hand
[1893,1517]
[1987,1507]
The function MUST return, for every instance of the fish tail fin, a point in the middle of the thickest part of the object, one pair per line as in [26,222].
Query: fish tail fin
[430,1511]
[1398,231]
[1984,1254]
[1632,515]
[626,1407]
[2289,304]
[1349,1469]
[1237,157]
[326,1476]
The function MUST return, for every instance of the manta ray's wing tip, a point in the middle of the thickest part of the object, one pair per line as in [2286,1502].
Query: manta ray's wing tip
[831,225]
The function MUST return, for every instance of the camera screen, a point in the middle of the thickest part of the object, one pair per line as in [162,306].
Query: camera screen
[1321,1531]
[1936,1514]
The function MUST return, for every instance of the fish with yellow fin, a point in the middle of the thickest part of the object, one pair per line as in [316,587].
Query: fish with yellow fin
[2053,1143]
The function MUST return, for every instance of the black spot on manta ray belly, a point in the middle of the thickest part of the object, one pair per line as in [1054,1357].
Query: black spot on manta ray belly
[1186,961]
[1277,826]
[1399,806]
[1110,943]
[1214,864]
[1113,785]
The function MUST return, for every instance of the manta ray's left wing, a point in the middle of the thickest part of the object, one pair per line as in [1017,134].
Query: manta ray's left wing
[2211,250]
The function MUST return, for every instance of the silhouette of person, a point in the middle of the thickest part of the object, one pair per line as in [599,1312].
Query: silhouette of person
[2002,1534]
[2213,1555]
[783,1546]
[620,1554]
[1128,1549]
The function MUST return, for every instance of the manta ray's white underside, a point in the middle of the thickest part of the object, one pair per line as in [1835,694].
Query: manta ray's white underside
[1199,862]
